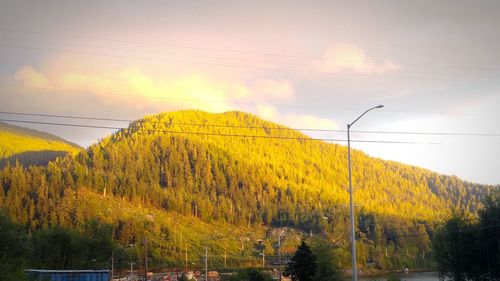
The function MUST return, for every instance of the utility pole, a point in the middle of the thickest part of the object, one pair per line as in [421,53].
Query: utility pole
[206,263]
[225,259]
[263,258]
[146,258]
[131,268]
[186,259]
[180,248]
[279,255]
[112,265]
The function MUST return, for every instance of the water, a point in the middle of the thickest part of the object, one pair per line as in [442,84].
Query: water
[416,276]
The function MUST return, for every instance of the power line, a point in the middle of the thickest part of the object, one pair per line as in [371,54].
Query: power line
[213,134]
[301,70]
[156,60]
[234,59]
[314,64]
[198,48]
[249,127]
[160,44]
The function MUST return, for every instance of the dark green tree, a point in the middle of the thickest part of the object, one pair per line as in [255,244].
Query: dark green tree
[489,225]
[96,243]
[60,248]
[55,248]
[467,250]
[454,246]
[303,265]
[13,250]
[327,260]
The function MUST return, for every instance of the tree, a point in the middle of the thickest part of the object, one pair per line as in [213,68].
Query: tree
[489,225]
[454,247]
[328,268]
[61,248]
[302,266]
[56,248]
[13,250]
[470,251]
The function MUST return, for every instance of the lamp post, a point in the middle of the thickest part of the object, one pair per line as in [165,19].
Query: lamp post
[351,199]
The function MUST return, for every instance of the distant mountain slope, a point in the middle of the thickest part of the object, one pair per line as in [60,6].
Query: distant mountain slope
[30,146]
[308,175]
[209,167]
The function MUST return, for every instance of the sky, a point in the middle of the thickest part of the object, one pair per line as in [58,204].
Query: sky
[434,65]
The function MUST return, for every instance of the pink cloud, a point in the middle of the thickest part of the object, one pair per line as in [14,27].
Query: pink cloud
[345,58]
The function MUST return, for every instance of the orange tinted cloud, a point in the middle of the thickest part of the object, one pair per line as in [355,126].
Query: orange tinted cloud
[139,88]
[274,89]
[344,57]
[295,120]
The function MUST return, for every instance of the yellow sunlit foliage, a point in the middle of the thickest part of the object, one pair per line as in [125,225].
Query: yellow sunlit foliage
[205,175]
[30,146]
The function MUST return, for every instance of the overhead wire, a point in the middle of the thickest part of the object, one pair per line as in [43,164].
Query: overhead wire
[192,55]
[273,66]
[214,134]
[199,48]
[314,64]
[278,128]
[156,60]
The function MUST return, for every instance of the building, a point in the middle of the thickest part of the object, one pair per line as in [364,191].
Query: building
[66,275]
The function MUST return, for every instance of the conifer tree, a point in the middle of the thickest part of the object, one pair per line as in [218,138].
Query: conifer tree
[303,265]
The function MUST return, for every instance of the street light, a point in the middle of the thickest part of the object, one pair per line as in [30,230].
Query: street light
[353,238]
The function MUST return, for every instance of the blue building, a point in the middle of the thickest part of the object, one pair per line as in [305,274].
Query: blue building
[67,275]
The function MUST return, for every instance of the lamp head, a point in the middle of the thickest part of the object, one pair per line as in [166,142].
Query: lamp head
[379,106]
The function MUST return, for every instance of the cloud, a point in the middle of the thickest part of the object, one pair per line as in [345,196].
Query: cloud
[343,57]
[125,90]
[273,89]
[295,120]
[30,77]
[137,88]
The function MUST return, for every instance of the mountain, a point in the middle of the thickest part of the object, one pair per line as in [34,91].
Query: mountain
[243,179]
[30,147]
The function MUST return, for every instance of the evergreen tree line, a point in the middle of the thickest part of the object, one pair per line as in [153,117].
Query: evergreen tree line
[52,248]
[467,249]
[242,182]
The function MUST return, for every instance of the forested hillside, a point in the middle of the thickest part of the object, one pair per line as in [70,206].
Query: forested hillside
[192,164]
[30,147]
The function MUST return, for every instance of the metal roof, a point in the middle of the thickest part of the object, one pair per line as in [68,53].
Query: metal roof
[68,271]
